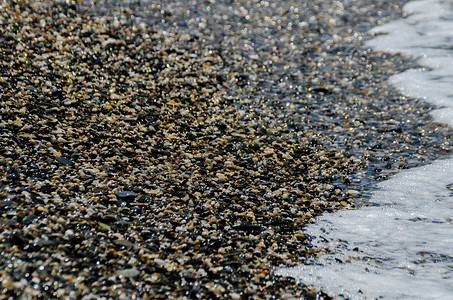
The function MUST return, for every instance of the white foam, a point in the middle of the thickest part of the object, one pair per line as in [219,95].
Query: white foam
[427,34]
[402,247]
[399,249]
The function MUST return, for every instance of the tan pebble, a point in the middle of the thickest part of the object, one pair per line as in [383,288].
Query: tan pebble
[235,296]
[268,151]
[68,277]
[43,209]
[299,235]
[8,283]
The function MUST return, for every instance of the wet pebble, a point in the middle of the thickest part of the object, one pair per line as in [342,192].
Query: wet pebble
[126,195]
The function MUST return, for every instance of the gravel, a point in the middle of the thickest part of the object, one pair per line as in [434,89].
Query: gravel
[178,149]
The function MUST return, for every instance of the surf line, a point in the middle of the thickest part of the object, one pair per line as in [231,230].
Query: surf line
[400,248]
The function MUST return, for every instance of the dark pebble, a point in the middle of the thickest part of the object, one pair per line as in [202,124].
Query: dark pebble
[64,161]
[18,239]
[126,196]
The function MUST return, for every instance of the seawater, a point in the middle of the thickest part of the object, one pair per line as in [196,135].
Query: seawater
[402,246]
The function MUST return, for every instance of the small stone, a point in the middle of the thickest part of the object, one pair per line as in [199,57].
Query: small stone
[108,218]
[269,151]
[122,223]
[64,161]
[123,243]
[18,239]
[103,226]
[132,272]
[126,196]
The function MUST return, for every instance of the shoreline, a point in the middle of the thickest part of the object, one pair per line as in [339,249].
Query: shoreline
[180,156]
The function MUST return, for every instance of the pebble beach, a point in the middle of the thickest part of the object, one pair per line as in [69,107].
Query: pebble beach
[177,150]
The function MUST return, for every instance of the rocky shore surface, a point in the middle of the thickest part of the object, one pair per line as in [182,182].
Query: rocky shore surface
[176,150]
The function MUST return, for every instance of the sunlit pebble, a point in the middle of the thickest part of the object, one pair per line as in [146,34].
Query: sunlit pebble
[229,163]
[268,151]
